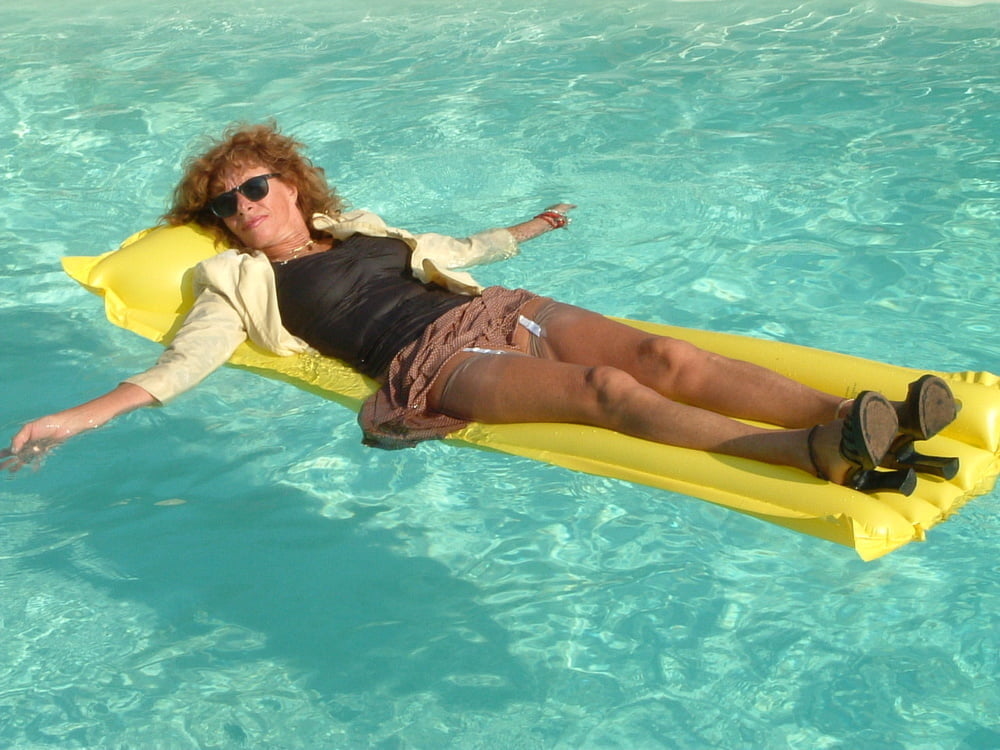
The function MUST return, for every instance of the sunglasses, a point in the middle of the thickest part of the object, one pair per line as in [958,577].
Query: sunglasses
[225,204]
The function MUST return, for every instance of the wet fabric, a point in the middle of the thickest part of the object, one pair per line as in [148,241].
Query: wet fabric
[397,416]
[358,301]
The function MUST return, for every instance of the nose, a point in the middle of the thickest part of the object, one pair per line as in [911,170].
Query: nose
[242,203]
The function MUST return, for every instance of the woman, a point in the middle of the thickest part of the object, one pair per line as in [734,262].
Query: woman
[303,273]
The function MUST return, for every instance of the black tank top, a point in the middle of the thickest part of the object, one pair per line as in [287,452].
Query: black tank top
[358,301]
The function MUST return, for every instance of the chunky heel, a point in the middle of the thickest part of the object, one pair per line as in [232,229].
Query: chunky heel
[907,457]
[903,481]
[930,406]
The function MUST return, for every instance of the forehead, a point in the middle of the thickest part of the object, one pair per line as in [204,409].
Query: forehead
[236,174]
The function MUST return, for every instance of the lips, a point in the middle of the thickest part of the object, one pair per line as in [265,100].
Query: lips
[254,222]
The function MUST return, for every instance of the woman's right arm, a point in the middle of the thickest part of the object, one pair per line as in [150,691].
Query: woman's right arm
[211,332]
[37,437]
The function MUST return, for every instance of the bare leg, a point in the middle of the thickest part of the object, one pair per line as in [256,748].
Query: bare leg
[683,372]
[503,388]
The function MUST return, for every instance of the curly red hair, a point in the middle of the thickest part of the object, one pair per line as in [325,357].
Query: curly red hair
[240,146]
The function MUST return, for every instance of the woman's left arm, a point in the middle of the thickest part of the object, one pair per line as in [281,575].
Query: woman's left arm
[553,217]
[487,246]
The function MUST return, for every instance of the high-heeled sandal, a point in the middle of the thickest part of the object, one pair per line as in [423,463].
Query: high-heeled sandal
[868,432]
[930,407]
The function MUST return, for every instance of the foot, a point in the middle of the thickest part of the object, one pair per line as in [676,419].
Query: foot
[848,451]
[929,407]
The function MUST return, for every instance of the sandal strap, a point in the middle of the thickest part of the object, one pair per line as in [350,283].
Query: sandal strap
[812,454]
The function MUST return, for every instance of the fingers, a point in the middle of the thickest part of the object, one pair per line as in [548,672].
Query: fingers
[562,207]
[10,461]
[19,440]
[32,453]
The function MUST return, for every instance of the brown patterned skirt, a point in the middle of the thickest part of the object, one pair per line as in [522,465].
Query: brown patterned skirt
[396,416]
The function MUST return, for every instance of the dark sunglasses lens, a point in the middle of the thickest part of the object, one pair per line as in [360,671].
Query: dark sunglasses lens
[255,188]
[223,205]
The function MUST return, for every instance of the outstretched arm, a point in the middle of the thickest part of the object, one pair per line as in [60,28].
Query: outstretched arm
[551,218]
[488,246]
[37,437]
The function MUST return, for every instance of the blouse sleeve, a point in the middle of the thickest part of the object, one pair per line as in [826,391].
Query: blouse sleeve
[444,251]
[209,335]
[488,246]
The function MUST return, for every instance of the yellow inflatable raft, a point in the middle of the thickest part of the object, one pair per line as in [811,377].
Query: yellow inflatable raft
[146,289]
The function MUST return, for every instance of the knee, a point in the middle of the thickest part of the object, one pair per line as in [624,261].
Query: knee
[672,360]
[610,388]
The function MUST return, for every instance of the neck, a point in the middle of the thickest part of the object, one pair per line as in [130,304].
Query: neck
[288,251]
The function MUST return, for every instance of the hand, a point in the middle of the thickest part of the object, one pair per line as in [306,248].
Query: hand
[31,444]
[33,441]
[533,227]
[37,438]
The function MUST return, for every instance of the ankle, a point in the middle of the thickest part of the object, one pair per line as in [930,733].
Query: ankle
[843,408]
[823,445]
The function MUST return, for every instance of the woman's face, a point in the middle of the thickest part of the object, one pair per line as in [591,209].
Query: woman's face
[273,221]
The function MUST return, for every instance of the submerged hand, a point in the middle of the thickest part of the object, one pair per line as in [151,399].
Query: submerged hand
[30,455]
[36,439]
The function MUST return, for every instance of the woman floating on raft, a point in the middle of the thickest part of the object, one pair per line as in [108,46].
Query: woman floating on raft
[303,273]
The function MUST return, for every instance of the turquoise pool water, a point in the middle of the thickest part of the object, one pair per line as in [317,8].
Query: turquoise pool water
[236,571]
